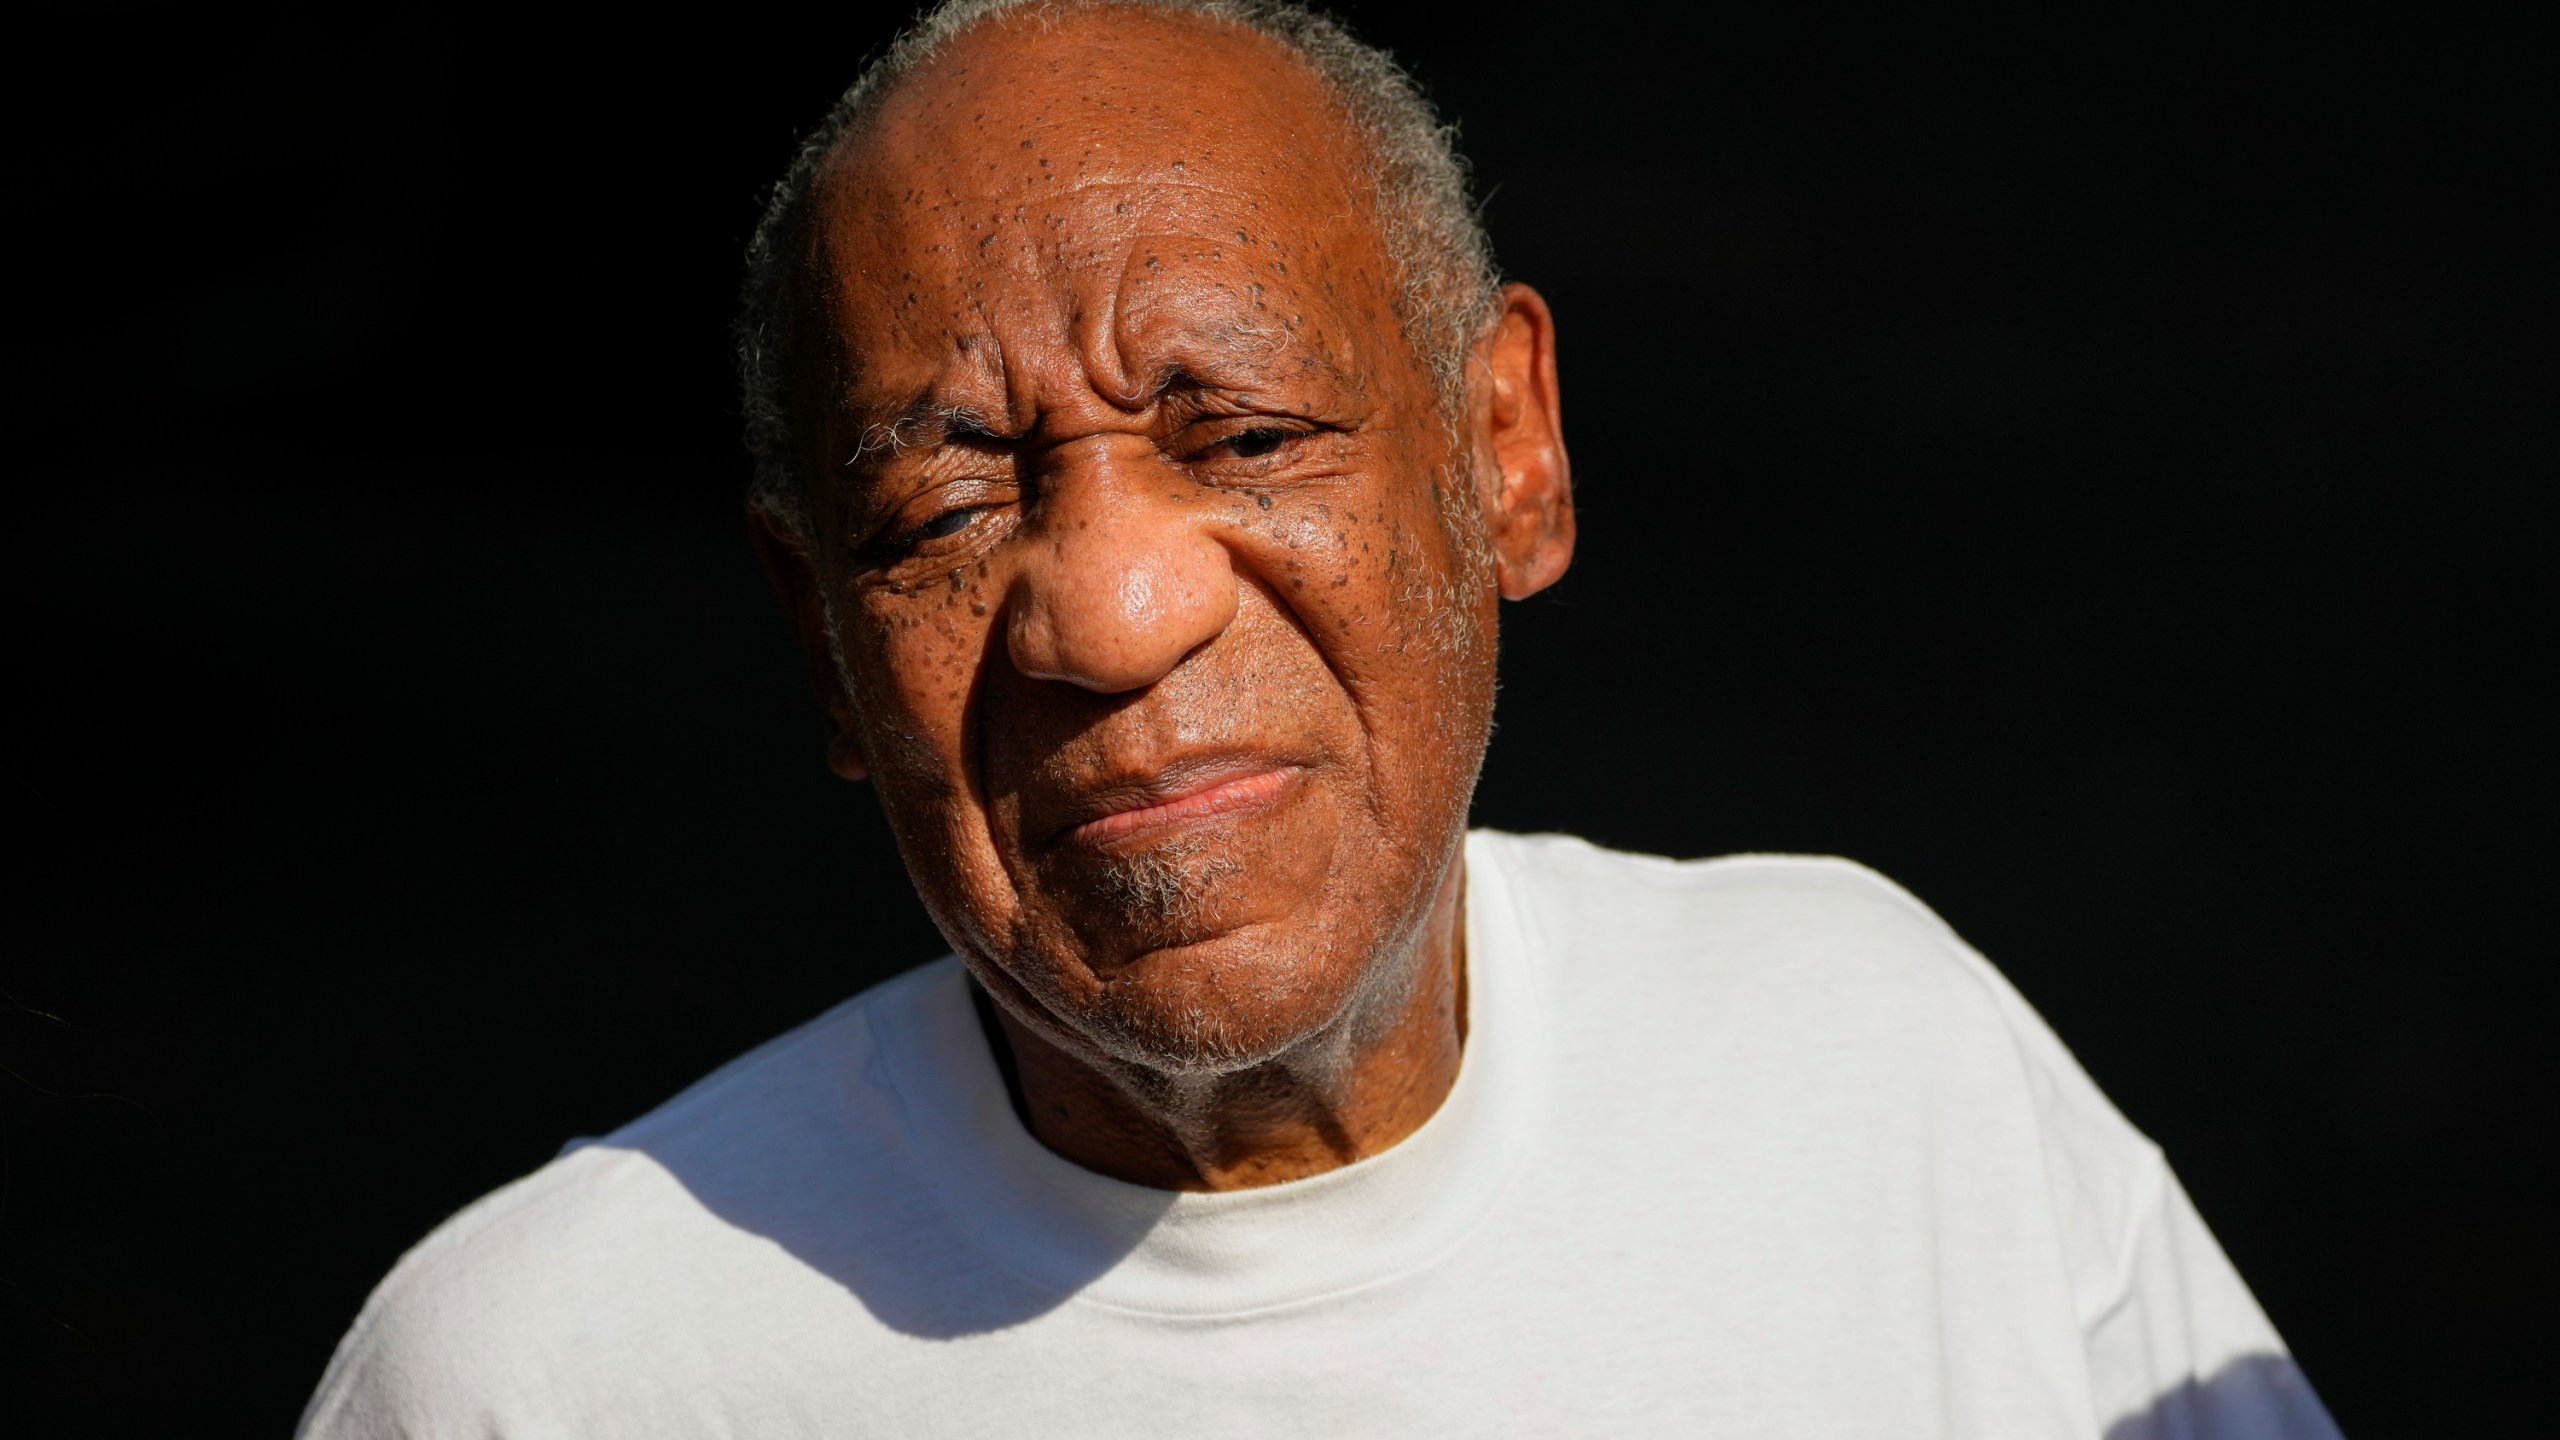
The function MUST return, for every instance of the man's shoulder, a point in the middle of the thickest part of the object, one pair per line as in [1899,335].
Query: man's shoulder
[798,1078]
[809,1082]
[1809,920]
[1583,862]
[602,1248]
[1816,956]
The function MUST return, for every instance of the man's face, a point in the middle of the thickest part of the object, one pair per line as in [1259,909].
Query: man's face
[1170,662]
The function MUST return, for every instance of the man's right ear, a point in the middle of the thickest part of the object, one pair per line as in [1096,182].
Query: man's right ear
[796,582]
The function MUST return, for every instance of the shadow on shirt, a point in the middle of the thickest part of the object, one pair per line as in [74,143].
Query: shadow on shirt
[891,1243]
[872,1226]
[2254,1396]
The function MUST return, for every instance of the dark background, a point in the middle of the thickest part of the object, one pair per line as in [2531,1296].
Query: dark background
[2108,490]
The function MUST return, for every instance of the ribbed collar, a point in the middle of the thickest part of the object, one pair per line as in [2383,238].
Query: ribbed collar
[1164,1252]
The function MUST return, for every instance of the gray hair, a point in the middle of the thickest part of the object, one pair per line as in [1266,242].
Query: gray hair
[1447,286]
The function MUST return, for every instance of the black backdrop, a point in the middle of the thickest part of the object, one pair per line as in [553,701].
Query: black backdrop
[2106,490]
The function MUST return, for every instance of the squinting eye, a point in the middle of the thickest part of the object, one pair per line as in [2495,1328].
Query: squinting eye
[949,522]
[1253,444]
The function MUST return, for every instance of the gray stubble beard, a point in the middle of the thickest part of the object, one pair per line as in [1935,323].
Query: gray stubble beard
[1164,888]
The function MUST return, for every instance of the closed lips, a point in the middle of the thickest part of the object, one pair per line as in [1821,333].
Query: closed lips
[1218,796]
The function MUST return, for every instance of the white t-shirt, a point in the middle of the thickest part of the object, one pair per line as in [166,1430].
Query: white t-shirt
[1751,1147]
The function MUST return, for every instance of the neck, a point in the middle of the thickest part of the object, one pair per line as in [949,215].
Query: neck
[1364,1083]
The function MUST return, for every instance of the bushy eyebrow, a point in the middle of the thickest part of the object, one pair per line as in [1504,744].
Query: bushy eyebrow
[924,421]
[930,423]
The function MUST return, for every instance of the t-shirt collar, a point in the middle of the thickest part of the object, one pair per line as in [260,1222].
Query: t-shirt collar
[1108,1242]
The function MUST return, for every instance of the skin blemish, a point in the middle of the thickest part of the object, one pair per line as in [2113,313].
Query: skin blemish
[1300,667]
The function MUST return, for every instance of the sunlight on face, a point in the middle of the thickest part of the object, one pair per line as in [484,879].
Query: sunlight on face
[1170,672]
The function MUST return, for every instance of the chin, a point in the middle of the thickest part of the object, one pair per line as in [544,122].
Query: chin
[1240,1000]
[1178,892]
[1221,947]
[1211,961]
[1193,888]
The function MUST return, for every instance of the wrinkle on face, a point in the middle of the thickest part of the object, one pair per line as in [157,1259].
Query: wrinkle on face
[1044,369]
[1045,293]
[1110,177]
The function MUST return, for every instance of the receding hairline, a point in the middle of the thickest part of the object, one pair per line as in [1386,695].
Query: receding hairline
[903,116]
[972,46]
[891,116]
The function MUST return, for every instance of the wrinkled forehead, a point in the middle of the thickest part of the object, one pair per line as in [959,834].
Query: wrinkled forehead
[1177,192]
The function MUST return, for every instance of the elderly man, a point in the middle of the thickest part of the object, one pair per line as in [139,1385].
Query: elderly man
[1144,443]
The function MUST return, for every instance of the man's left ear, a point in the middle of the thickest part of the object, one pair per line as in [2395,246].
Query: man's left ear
[1520,418]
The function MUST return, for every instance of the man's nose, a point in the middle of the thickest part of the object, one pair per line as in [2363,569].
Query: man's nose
[1123,577]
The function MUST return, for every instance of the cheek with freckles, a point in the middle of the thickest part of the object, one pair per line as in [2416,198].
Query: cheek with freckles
[926,639]
[1342,646]
[914,650]
[1373,575]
